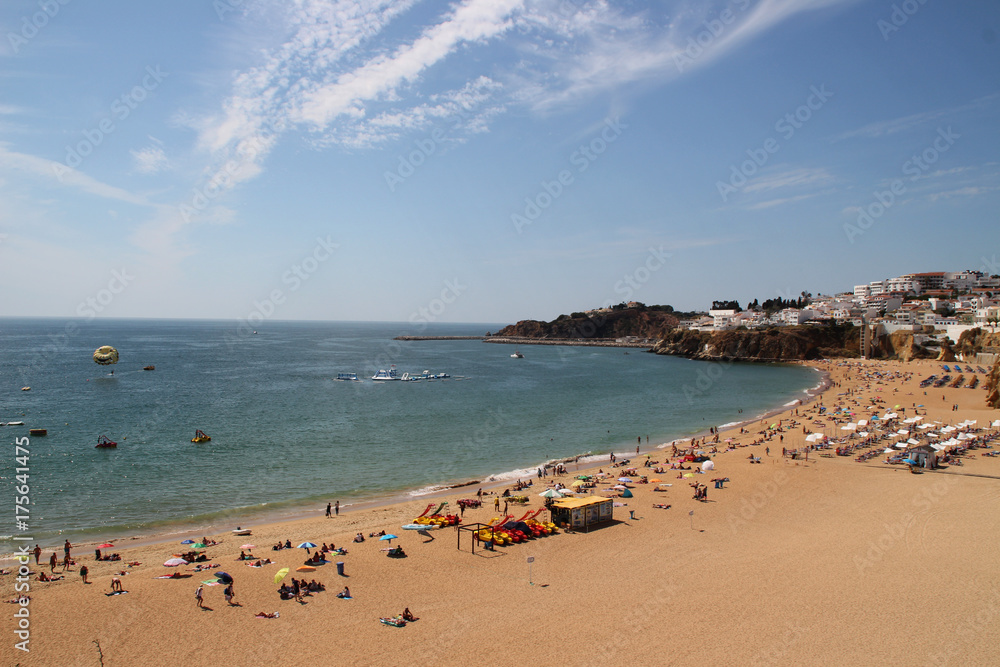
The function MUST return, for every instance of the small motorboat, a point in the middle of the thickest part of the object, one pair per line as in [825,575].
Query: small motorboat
[200,436]
[241,531]
[15,423]
[517,355]
[348,377]
[104,442]
[149,368]
[25,388]
[38,431]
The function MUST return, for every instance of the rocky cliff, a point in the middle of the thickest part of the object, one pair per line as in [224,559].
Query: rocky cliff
[775,344]
[977,340]
[786,344]
[616,324]
[993,386]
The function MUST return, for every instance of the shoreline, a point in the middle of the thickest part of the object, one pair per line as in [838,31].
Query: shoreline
[297,511]
[782,552]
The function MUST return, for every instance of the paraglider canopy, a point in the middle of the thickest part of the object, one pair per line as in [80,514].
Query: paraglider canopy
[106,355]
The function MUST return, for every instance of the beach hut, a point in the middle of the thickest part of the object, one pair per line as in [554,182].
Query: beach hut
[924,455]
[582,513]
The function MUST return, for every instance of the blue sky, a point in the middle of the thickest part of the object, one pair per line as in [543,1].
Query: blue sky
[487,161]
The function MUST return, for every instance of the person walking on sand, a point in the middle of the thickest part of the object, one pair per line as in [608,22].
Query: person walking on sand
[229,594]
[66,548]
[336,508]
[496,504]
[197,596]
[53,559]
[329,511]
[83,573]
[38,552]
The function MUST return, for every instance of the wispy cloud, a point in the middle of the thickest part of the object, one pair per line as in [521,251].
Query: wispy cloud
[892,126]
[55,172]
[790,178]
[149,160]
[771,203]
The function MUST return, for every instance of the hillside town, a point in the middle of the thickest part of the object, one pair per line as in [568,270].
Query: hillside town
[939,303]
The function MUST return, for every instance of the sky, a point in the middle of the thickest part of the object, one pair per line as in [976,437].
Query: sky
[487,160]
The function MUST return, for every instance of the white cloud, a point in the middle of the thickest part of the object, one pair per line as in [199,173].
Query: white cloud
[791,178]
[56,172]
[149,160]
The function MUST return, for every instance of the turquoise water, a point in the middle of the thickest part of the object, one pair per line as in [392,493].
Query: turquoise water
[286,435]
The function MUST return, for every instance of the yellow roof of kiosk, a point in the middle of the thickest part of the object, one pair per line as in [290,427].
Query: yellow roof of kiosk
[573,503]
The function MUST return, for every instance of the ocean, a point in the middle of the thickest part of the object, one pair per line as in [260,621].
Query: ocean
[287,436]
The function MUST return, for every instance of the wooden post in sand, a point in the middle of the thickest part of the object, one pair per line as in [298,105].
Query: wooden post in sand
[691,514]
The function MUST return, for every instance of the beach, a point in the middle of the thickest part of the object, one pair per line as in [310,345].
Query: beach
[818,560]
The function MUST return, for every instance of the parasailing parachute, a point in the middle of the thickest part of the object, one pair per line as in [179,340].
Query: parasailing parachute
[106,355]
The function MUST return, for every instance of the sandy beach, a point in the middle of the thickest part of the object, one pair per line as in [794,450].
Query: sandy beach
[820,561]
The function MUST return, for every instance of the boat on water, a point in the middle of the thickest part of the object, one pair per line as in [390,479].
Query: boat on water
[38,431]
[426,375]
[15,423]
[348,377]
[517,355]
[385,375]
[104,442]
[149,368]
[200,436]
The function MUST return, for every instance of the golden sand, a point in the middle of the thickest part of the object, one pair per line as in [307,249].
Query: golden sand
[819,562]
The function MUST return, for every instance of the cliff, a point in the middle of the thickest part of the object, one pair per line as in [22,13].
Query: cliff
[975,341]
[786,344]
[993,386]
[641,323]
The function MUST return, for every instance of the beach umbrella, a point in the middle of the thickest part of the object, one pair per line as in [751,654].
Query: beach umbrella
[247,546]
[390,537]
[624,480]
[689,474]
[887,450]
[549,493]
[106,546]
[655,480]
[577,483]
[174,562]
[566,492]
[619,487]
[224,577]
[707,465]
[187,541]
[417,526]
[198,545]
[280,574]
[306,545]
